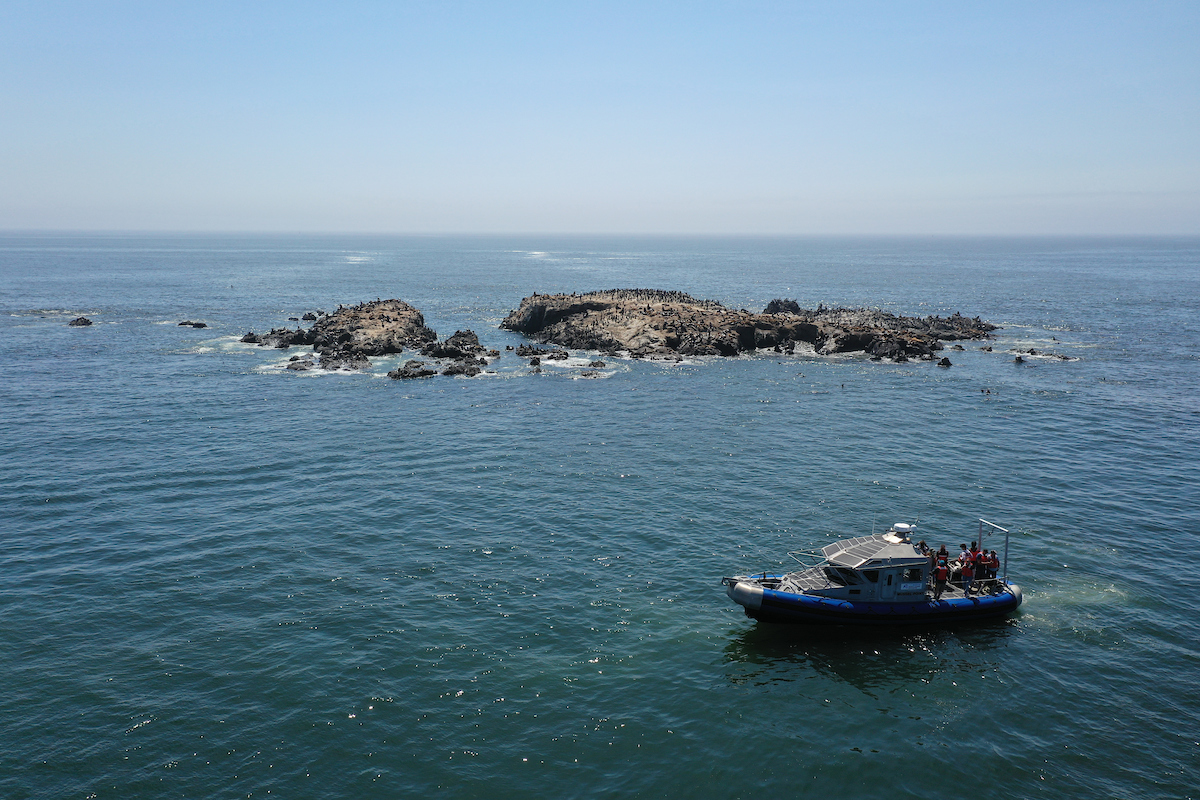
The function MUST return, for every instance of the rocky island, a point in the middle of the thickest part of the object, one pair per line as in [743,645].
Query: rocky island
[348,337]
[653,323]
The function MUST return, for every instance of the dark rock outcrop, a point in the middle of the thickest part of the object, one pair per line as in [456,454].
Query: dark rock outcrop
[412,369]
[526,351]
[465,368]
[187,323]
[79,322]
[463,344]
[344,359]
[281,338]
[667,324]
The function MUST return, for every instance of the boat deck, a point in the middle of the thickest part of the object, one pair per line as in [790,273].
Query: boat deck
[815,578]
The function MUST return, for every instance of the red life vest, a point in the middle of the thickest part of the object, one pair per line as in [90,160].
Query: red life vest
[942,572]
[968,570]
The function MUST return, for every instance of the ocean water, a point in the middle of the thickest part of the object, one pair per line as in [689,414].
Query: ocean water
[223,579]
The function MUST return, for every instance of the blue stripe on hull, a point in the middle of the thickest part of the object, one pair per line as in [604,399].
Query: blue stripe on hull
[804,609]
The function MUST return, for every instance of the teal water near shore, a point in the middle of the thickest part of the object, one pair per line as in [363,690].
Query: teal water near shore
[224,579]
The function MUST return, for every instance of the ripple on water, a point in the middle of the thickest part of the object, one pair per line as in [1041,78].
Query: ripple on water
[219,581]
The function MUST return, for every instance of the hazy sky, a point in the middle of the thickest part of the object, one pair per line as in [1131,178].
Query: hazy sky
[673,117]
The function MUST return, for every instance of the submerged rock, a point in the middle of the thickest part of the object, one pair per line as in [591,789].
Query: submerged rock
[79,322]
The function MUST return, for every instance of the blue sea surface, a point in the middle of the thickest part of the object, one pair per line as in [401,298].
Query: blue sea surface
[221,578]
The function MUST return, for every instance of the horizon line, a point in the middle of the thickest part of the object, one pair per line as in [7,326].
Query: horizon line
[624,234]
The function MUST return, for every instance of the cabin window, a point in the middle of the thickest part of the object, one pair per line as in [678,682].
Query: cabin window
[871,574]
[842,577]
[849,576]
[912,574]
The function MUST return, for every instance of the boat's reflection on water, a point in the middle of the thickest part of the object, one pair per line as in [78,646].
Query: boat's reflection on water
[871,660]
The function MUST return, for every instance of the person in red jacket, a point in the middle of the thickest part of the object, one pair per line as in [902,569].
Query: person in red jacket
[981,567]
[968,576]
[941,574]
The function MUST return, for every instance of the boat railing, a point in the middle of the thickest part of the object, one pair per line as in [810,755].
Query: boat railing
[993,528]
[808,558]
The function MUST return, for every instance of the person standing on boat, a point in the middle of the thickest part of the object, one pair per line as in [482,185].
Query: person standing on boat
[993,565]
[941,574]
[968,576]
[981,567]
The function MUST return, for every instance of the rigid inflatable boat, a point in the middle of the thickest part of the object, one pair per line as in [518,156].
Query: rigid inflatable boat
[873,580]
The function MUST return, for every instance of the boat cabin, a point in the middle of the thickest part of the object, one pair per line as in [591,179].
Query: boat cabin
[866,568]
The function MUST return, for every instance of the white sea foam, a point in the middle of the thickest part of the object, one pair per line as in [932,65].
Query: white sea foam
[571,362]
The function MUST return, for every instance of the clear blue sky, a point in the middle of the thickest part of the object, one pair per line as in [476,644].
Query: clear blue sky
[672,117]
